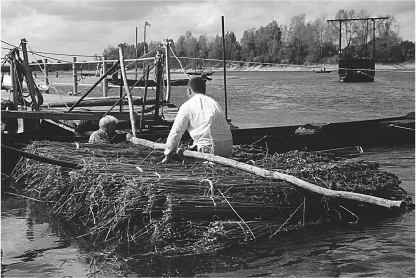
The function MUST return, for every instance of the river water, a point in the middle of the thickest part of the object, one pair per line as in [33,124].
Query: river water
[33,246]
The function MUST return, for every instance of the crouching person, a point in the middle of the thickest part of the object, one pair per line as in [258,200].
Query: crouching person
[107,132]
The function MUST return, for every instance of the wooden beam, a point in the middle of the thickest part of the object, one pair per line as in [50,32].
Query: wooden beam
[105,101]
[58,115]
[128,92]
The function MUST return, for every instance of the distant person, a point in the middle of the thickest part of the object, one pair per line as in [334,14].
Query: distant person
[107,132]
[205,121]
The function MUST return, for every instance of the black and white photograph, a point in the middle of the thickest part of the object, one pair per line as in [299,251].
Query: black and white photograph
[207,138]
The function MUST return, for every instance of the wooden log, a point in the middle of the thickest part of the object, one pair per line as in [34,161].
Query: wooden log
[102,101]
[129,97]
[28,74]
[41,158]
[276,175]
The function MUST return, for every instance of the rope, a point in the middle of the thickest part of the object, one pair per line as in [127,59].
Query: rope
[180,62]
[402,127]
[375,78]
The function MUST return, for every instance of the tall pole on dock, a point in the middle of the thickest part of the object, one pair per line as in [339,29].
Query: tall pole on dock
[74,76]
[28,75]
[224,64]
[144,43]
[105,82]
[167,44]
[129,97]
[45,66]
[135,63]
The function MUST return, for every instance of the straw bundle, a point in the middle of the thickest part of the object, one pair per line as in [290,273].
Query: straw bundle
[122,195]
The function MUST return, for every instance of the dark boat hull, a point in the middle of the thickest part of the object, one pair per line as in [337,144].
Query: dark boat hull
[356,70]
[282,139]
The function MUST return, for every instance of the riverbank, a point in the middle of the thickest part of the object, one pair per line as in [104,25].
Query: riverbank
[317,67]
[410,65]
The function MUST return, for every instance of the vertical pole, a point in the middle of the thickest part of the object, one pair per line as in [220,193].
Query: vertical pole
[144,46]
[135,63]
[374,39]
[225,74]
[144,40]
[46,74]
[29,77]
[105,82]
[129,97]
[144,99]
[121,91]
[13,84]
[340,48]
[12,125]
[159,83]
[74,76]
[168,87]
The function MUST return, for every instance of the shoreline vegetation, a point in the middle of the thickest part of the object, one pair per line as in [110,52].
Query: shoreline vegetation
[290,67]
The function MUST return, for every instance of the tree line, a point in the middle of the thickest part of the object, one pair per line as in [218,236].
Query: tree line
[300,43]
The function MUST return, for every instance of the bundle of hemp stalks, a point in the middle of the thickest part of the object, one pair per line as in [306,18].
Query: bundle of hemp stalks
[123,195]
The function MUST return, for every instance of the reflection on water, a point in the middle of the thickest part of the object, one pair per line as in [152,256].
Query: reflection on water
[29,245]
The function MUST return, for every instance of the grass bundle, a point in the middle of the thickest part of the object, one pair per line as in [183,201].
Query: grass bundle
[123,196]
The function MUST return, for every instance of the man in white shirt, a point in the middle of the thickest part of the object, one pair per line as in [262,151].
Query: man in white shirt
[205,121]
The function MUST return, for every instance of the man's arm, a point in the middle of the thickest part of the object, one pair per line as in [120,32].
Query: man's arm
[180,125]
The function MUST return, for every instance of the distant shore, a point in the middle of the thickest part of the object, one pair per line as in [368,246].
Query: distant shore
[317,67]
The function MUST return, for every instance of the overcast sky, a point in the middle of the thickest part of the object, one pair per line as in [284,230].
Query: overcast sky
[89,27]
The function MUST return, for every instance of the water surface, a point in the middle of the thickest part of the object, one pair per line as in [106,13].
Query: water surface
[32,245]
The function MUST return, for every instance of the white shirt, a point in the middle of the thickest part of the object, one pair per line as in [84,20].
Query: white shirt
[205,121]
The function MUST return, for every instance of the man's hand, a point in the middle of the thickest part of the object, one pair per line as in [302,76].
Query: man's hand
[167,158]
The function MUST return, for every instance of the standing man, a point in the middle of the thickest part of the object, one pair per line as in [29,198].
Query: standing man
[205,121]
[107,132]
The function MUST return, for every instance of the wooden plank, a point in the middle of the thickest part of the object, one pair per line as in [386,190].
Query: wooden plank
[102,101]
[58,115]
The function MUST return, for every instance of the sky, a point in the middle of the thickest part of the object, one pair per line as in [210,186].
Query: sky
[89,27]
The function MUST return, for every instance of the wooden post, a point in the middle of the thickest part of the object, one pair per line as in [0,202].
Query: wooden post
[225,72]
[129,97]
[135,63]
[13,84]
[121,91]
[29,77]
[144,98]
[46,74]
[105,83]
[340,41]
[74,76]
[167,44]
[159,84]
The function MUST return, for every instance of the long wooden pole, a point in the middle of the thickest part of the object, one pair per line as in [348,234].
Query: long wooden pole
[167,44]
[144,98]
[29,77]
[45,66]
[276,176]
[74,77]
[42,158]
[225,72]
[105,83]
[129,97]
[136,56]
